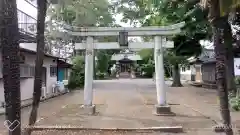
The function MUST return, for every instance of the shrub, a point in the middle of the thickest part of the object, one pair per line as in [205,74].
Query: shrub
[101,75]
[234,102]
[148,70]
[76,79]
[237,80]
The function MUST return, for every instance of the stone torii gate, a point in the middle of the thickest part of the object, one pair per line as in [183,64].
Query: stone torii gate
[159,33]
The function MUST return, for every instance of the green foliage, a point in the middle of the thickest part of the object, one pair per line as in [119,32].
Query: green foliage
[237,80]
[186,46]
[234,102]
[103,59]
[173,59]
[225,6]
[146,54]
[76,79]
[72,12]
[147,69]
[166,12]
[133,9]
[147,64]
[101,75]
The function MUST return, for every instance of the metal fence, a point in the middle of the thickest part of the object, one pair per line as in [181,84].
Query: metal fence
[26,23]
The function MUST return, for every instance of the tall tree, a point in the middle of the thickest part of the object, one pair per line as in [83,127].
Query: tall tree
[94,12]
[9,40]
[218,14]
[225,8]
[230,73]
[175,63]
[42,8]
[72,12]
[168,12]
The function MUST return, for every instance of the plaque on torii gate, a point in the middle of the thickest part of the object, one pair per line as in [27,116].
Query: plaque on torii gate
[123,39]
[158,44]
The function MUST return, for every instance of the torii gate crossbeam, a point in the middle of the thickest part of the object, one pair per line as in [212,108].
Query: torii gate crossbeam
[159,33]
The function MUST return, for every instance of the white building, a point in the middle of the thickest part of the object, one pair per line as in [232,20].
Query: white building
[54,68]
[53,71]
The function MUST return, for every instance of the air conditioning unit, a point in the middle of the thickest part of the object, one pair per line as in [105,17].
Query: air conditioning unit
[44,92]
[3,104]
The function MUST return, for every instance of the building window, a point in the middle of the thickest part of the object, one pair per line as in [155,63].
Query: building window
[53,71]
[22,58]
[32,70]
[26,70]
[188,67]
[183,69]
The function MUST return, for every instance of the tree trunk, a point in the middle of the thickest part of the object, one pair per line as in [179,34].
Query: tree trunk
[218,24]
[176,76]
[42,7]
[231,86]
[221,80]
[9,40]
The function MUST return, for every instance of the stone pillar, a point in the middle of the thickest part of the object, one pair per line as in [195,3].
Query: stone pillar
[161,108]
[117,69]
[88,82]
[133,67]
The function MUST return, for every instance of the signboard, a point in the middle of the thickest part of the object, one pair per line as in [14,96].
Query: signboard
[123,39]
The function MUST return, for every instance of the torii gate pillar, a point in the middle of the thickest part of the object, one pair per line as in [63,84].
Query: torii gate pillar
[88,77]
[162,108]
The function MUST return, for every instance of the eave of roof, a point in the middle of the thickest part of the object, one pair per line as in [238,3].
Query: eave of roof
[33,52]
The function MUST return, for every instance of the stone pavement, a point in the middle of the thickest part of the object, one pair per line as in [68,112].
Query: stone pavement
[202,100]
[46,109]
[128,103]
[119,133]
[28,102]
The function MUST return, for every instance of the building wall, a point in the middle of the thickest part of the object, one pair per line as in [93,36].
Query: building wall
[185,72]
[198,73]
[208,73]
[237,66]
[27,83]
[189,73]
[193,73]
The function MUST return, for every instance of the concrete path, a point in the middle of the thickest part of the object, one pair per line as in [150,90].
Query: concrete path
[127,103]
[46,109]
[205,101]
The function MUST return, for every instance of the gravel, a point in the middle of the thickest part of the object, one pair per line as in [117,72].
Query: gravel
[84,132]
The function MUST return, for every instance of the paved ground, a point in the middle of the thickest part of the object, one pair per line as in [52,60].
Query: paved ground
[47,108]
[129,104]
[124,104]
[202,100]
[121,133]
